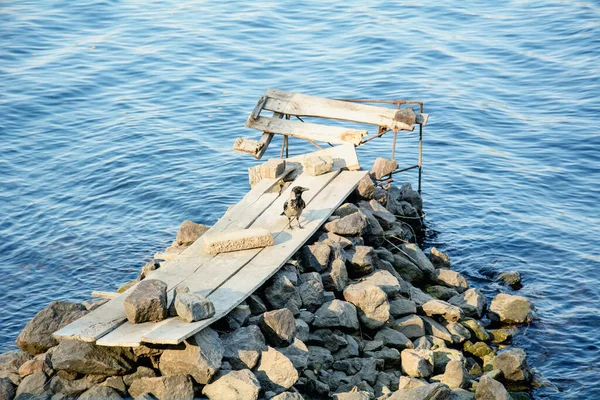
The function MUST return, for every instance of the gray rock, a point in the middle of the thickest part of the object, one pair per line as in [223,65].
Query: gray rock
[513,364]
[447,311]
[366,187]
[418,296]
[393,338]
[336,314]
[319,358]
[372,345]
[33,387]
[87,358]
[332,340]
[193,307]
[147,302]
[407,269]
[455,376]
[476,329]
[472,302]
[337,278]
[173,387]
[383,167]
[148,268]
[388,356]
[199,356]
[345,209]
[407,382]
[434,391]
[402,307]
[189,232]
[511,278]
[412,326]
[256,304]
[385,218]
[36,337]
[302,329]
[350,225]
[242,347]
[417,363]
[276,373]
[438,258]
[510,309]
[10,362]
[7,389]
[140,372]
[371,302]
[434,328]
[235,385]
[412,196]
[386,281]
[70,387]
[171,311]
[361,261]
[441,292]
[356,395]
[442,356]
[297,352]
[100,392]
[117,383]
[461,394]
[311,290]
[491,389]
[288,396]
[458,331]
[373,226]
[281,292]
[315,257]
[238,317]
[333,240]
[350,350]
[278,326]
[416,255]
[451,279]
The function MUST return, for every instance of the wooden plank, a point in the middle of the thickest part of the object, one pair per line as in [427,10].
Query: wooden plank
[344,156]
[266,263]
[223,266]
[104,295]
[308,131]
[107,317]
[259,106]
[265,139]
[312,106]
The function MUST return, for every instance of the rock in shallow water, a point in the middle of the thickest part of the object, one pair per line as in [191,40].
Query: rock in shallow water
[513,364]
[147,302]
[491,389]
[36,337]
[510,309]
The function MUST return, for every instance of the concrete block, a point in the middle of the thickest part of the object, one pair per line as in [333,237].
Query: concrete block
[317,165]
[237,240]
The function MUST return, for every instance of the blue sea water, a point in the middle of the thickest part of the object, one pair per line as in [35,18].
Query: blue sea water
[117,120]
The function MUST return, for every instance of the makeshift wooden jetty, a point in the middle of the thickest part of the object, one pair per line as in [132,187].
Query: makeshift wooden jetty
[227,279]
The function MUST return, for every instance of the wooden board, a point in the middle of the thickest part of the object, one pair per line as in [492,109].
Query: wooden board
[223,266]
[266,263]
[305,130]
[107,317]
[312,106]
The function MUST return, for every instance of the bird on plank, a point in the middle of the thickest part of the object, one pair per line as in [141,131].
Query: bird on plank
[294,206]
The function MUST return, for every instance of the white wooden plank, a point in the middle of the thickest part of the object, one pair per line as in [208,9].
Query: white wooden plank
[223,266]
[265,264]
[309,131]
[312,106]
[107,317]
[104,295]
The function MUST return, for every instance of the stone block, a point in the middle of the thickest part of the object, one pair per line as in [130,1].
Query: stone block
[242,239]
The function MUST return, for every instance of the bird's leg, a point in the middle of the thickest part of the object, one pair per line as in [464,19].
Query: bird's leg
[290,222]
[299,226]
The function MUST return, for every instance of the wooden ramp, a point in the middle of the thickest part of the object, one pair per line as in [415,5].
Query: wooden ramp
[228,278]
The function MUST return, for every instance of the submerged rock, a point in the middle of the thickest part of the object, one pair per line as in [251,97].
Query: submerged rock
[512,279]
[36,337]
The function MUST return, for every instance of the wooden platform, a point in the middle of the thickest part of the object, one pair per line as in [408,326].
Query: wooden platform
[229,278]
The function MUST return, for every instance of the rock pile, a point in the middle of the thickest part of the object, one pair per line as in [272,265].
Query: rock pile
[358,313]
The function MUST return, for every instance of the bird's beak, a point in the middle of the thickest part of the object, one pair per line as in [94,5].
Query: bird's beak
[305,189]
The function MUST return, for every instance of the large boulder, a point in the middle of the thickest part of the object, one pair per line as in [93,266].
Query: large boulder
[336,279]
[275,372]
[451,279]
[199,356]
[147,302]
[336,314]
[36,337]
[315,257]
[383,167]
[282,292]
[438,258]
[412,326]
[350,225]
[513,364]
[472,302]
[87,358]
[33,387]
[402,307]
[411,196]
[189,232]
[455,375]
[433,391]
[100,392]
[234,385]
[366,187]
[297,352]
[447,311]
[510,309]
[417,363]
[319,358]
[393,338]
[311,290]
[416,255]
[387,282]
[434,328]
[242,347]
[278,327]
[407,269]
[491,389]
[361,260]
[371,302]
[7,389]
[193,307]
[174,387]
[71,387]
